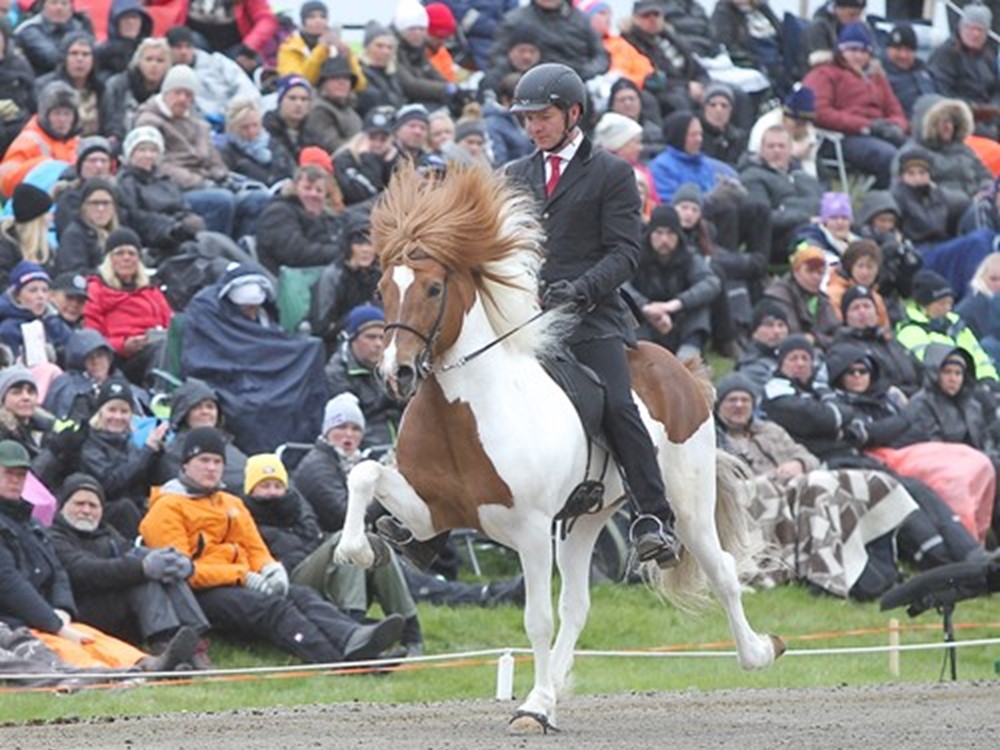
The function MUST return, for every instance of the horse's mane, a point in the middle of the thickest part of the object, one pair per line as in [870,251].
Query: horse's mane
[472,222]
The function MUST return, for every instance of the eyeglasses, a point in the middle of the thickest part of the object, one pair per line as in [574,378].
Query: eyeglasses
[858,371]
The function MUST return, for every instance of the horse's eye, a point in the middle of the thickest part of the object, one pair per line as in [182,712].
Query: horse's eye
[433,290]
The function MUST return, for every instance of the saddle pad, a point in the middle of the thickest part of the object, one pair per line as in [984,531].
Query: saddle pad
[583,388]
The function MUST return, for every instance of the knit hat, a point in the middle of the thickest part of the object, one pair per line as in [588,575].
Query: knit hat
[930,286]
[180,77]
[795,342]
[807,254]
[854,36]
[734,381]
[664,216]
[316,156]
[114,390]
[614,131]
[373,30]
[849,3]
[410,15]
[902,35]
[290,82]
[203,440]
[853,293]
[140,135]
[13,455]
[24,273]
[409,112]
[675,128]
[15,375]
[835,206]
[857,250]
[590,7]
[687,193]
[96,184]
[263,466]
[764,310]
[960,357]
[977,15]
[75,483]
[121,237]
[29,202]
[378,120]
[363,317]
[179,35]
[719,89]
[914,157]
[342,409]
[336,67]
[523,33]
[94,144]
[312,6]
[800,103]
[472,126]
[440,20]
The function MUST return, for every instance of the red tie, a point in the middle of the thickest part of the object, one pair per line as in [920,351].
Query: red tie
[550,186]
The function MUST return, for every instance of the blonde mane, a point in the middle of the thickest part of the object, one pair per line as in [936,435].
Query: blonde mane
[472,222]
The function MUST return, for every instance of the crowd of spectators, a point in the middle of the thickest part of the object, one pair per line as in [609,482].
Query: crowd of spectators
[191,285]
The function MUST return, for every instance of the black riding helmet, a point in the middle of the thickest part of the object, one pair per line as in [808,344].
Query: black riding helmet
[551,84]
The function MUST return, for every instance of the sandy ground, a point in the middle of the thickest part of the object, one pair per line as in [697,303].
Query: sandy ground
[915,717]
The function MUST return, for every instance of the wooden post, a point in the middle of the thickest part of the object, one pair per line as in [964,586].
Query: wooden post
[894,646]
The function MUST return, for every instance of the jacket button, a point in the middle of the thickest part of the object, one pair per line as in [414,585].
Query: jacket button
[545,215]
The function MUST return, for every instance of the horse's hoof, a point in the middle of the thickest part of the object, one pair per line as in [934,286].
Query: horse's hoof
[529,722]
[779,644]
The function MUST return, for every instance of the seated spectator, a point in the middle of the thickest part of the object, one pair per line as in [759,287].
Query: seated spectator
[220,78]
[759,361]
[832,233]
[241,588]
[133,593]
[923,207]
[297,229]
[129,25]
[154,204]
[684,161]
[879,221]
[479,21]
[807,309]
[126,91]
[520,54]
[332,120]
[907,74]
[622,136]
[627,99]
[49,135]
[930,320]
[858,267]
[89,361]
[751,33]
[126,308]
[420,81]
[195,405]
[353,369]
[93,161]
[286,123]
[24,237]
[674,287]
[78,69]
[81,248]
[69,293]
[819,41]
[38,593]
[964,67]
[981,307]
[440,131]
[231,30]
[984,213]
[506,135]
[19,420]
[441,27]
[17,88]
[27,299]
[797,114]
[624,59]
[722,140]
[855,99]
[378,65]
[303,52]
[249,150]
[410,133]
[792,194]
[470,147]
[363,165]
[40,36]
[232,326]
[288,526]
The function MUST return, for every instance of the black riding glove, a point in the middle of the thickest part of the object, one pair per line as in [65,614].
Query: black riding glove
[563,292]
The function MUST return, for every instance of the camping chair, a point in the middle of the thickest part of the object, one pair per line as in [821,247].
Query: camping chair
[861,183]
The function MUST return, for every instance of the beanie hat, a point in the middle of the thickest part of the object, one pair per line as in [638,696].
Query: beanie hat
[114,390]
[336,67]
[96,184]
[440,20]
[94,144]
[687,193]
[590,7]
[410,15]
[75,483]
[930,286]
[15,375]
[24,273]
[914,157]
[767,309]
[854,36]
[289,82]
[675,128]
[180,77]
[849,3]
[855,292]
[734,381]
[203,440]
[29,202]
[315,156]
[795,342]
[902,35]
[524,33]
[835,206]
[140,135]
[807,254]
[373,30]
[860,249]
[121,237]
[800,103]
[472,126]
[378,120]
[614,130]
[664,216]
[719,89]
[263,466]
[312,6]
[409,112]
[362,317]
[342,409]
[180,35]
[977,15]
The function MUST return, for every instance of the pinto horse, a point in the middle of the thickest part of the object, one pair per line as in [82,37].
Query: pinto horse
[489,441]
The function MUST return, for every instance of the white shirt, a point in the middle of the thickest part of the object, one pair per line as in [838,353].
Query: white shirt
[565,154]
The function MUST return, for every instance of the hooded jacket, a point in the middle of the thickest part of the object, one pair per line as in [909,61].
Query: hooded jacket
[88,95]
[36,143]
[40,39]
[17,83]
[896,364]
[71,395]
[13,315]
[114,55]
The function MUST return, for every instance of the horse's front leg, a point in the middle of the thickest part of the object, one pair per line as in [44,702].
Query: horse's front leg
[368,481]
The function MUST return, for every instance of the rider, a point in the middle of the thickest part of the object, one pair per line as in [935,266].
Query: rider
[591,215]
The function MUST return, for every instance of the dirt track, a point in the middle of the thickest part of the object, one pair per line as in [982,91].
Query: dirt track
[913,717]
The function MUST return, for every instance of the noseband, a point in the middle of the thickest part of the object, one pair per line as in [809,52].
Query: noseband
[424,361]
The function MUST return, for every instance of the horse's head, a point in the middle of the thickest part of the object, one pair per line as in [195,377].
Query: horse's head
[425,303]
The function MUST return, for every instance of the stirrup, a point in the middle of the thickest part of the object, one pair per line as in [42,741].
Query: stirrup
[658,544]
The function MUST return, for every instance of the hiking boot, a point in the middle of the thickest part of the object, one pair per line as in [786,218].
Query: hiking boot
[180,650]
[368,641]
[654,540]
[421,554]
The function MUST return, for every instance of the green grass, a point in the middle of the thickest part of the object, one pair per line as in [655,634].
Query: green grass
[622,618]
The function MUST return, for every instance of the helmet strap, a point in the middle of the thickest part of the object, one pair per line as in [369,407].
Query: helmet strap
[568,131]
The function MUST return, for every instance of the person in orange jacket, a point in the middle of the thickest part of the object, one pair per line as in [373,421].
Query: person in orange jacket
[626,60]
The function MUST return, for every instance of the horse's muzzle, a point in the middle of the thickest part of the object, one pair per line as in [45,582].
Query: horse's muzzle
[403,383]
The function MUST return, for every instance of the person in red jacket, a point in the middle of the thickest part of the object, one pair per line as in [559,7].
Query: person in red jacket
[857,100]
[122,304]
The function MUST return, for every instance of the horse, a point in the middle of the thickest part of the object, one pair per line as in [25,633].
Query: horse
[489,441]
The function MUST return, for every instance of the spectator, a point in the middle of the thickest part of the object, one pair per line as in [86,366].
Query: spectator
[410,130]
[78,69]
[17,88]
[832,233]
[797,114]
[126,91]
[479,21]
[49,135]
[230,29]
[629,100]
[69,293]
[807,308]
[859,267]
[420,81]
[923,207]
[19,420]
[520,54]
[441,27]
[353,369]
[249,150]
[133,593]
[820,39]
[752,35]
[908,74]
[129,25]
[27,299]
[855,99]
[624,59]
[378,64]
[81,248]
[303,52]
[622,136]
[332,120]
[722,140]
[984,213]
[25,236]
[879,218]
[40,36]
[506,136]
[759,362]
[93,161]
[981,307]
[89,361]
[684,161]
[125,308]
[363,165]
[350,281]
[470,147]
[440,131]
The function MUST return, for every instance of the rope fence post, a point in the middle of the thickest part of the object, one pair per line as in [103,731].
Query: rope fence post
[505,677]
[894,647]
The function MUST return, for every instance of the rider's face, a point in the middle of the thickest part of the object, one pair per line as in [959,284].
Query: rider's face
[546,127]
